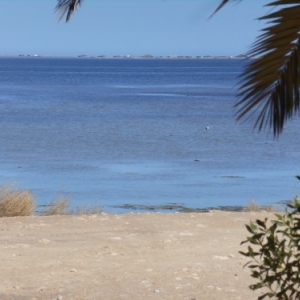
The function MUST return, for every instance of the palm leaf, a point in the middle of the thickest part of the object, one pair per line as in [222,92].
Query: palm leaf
[271,82]
[219,7]
[67,7]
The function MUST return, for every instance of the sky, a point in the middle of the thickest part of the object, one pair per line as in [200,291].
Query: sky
[130,27]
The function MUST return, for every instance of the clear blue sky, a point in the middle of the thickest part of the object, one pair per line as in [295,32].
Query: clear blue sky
[135,27]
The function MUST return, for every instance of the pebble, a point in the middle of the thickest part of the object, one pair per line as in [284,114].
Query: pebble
[116,238]
[44,241]
[156,291]
[201,226]
[220,257]
[167,241]
[73,270]
[186,234]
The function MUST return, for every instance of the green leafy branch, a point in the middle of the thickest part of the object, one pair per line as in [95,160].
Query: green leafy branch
[275,256]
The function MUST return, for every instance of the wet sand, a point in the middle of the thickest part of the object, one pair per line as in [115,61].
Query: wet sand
[131,256]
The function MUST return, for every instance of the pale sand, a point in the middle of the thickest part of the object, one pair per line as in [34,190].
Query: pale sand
[131,256]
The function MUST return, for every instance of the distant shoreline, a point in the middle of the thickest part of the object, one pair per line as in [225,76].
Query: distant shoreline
[124,56]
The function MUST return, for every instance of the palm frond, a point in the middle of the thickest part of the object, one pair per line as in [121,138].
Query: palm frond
[271,82]
[67,7]
[220,6]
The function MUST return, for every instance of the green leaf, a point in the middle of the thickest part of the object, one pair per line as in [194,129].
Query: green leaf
[254,240]
[253,226]
[279,216]
[244,253]
[256,286]
[249,229]
[261,223]
[270,295]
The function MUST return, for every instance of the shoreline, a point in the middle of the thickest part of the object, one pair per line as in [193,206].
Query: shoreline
[181,208]
[169,208]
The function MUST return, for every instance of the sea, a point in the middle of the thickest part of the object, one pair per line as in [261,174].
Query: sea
[138,135]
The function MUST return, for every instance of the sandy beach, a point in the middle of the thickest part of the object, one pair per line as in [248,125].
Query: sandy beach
[132,256]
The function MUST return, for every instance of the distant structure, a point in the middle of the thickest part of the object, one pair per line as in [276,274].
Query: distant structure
[146,56]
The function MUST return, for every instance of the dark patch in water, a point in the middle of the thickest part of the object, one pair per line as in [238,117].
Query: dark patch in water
[175,207]
[180,207]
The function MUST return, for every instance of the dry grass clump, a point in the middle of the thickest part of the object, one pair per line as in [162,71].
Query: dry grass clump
[58,207]
[61,207]
[15,202]
[271,208]
[253,206]
[87,210]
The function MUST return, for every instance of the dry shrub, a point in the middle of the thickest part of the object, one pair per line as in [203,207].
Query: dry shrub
[58,207]
[87,210]
[61,207]
[15,202]
[253,206]
[271,208]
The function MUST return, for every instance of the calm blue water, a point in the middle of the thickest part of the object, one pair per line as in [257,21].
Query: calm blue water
[114,132]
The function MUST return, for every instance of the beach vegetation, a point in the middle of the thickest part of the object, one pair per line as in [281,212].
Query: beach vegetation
[87,210]
[61,206]
[56,207]
[15,202]
[274,250]
[270,83]
[253,206]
